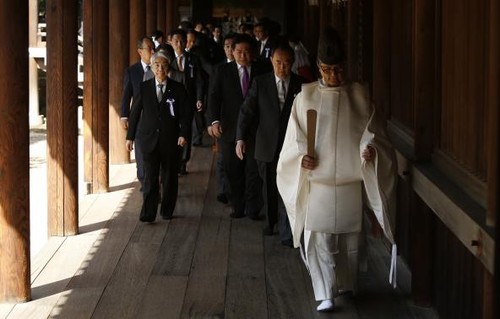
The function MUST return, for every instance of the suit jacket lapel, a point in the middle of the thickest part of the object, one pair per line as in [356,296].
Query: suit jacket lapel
[271,84]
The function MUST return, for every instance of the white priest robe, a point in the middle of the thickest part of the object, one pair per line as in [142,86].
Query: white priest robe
[328,199]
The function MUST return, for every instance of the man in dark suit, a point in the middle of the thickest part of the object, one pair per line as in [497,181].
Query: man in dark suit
[159,124]
[269,103]
[186,69]
[230,86]
[223,190]
[265,45]
[134,75]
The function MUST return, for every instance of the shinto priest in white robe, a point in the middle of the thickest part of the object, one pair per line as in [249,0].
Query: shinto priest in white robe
[329,198]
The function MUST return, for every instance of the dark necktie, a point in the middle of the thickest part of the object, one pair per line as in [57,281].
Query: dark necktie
[245,82]
[148,74]
[159,94]
[281,93]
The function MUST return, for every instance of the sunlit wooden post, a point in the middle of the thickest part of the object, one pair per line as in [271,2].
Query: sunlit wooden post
[14,153]
[96,94]
[62,124]
[118,61]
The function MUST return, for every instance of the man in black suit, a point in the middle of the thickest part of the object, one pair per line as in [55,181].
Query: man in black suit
[230,86]
[269,103]
[134,75]
[159,124]
[186,69]
[265,46]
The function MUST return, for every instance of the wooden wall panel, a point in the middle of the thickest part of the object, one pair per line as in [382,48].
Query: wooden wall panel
[401,65]
[458,278]
[463,81]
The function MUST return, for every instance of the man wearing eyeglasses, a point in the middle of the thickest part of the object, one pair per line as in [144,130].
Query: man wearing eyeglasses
[134,75]
[322,192]
[159,125]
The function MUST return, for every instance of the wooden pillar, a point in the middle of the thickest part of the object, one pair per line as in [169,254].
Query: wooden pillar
[161,16]
[170,15]
[137,27]
[35,118]
[424,76]
[493,105]
[151,20]
[382,54]
[96,95]
[14,154]
[118,62]
[62,124]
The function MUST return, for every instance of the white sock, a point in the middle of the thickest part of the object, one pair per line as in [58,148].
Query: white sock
[326,305]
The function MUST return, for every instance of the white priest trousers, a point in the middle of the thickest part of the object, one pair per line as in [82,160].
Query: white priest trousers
[332,261]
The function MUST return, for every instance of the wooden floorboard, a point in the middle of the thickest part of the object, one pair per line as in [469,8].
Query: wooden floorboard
[205,292]
[246,295]
[201,264]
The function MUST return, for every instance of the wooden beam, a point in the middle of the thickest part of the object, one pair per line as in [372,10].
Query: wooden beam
[96,95]
[62,125]
[137,27]
[14,154]
[118,61]
[151,17]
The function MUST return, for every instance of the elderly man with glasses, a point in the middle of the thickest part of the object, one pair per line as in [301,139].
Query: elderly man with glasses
[159,124]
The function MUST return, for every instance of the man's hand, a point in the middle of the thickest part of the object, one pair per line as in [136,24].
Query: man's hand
[309,162]
[199,106]
[124,123]
[129,145]
[181,141]
[368,154]
[215,130]
[240,149]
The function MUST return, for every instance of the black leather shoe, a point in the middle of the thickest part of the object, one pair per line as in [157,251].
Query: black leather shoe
[268,231]
[236,215]
[222,198]
[146,219]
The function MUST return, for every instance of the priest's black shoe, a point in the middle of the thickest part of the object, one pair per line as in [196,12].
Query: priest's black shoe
[268,231]
[222,198]
[236,215]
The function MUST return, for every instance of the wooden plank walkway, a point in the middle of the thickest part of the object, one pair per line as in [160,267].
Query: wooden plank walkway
[201,264]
